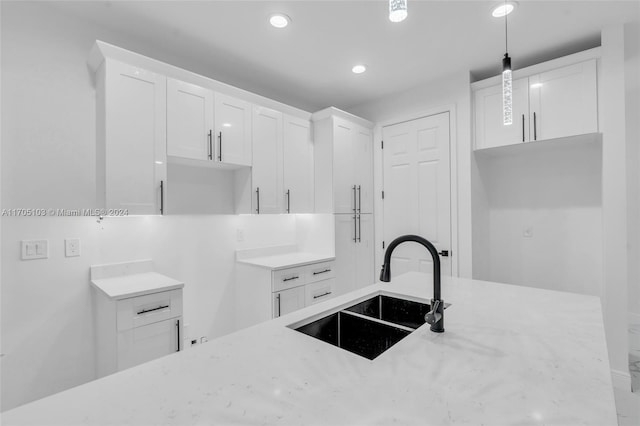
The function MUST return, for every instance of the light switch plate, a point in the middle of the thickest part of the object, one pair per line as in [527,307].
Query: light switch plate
[72,247]
[34,249]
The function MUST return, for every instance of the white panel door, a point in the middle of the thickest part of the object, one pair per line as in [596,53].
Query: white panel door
[135,143]
[417,191]
[266,172]
[288,301]
[364,252]
[297,165]
[344,167]
[346,256]
[564,101]
[233,130]
[490,130]
[363,156]
[189,121]
[142,344]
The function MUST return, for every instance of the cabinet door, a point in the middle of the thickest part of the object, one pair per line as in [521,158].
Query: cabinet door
[363,155]
[346,259]
[344,167]
[288,301]
[132,144]
[564,101]
[142,344]
[297,166]
[189,121]
[233,130]
[364,252]
[266,171]
[490,130]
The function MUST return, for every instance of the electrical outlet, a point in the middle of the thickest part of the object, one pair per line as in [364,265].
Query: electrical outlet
[239,235]
[72,247]
[194,342]
[204,339]
[34,249]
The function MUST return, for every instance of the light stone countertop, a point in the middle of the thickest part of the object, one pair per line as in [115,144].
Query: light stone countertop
[125,286]
[510,355]
[287,260]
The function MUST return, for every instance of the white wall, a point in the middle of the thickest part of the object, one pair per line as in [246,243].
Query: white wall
[48,161]
[556,195]
[451,93]
[632,98]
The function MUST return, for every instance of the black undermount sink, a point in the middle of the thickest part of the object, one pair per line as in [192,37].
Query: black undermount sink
[370,327]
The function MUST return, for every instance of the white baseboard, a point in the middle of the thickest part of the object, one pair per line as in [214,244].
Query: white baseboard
[621,380]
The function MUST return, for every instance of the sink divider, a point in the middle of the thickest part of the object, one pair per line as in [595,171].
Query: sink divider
[373,319]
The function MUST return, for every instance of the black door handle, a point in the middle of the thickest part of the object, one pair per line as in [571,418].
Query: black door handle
[444,253]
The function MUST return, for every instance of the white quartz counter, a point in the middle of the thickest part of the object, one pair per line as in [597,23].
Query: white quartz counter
[509,356]
[287,260]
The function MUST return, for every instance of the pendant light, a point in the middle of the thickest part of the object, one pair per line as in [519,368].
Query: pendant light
[397,10]
[507,100]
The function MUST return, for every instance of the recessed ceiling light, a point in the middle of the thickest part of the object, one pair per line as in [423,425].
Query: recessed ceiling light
[503,9]
[279,20]
[358,69]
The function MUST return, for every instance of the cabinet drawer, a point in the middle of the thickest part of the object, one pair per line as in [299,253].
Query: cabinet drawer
[288,278]
[150,308]
[319,291]
[320,271]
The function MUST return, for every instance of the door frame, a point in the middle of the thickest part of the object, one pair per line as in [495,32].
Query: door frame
[378,180]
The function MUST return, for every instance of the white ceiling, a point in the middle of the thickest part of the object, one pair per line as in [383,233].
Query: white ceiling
[308,64]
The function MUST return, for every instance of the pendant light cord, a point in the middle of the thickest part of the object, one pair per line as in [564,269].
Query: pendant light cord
[506,33]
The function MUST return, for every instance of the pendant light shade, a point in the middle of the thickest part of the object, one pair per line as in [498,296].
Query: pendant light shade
[507,88]
[397,10]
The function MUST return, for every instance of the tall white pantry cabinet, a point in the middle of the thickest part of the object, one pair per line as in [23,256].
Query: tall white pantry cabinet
[343,155]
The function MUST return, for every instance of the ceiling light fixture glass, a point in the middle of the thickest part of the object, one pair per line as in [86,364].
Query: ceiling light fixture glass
[358,69]
[503,9]
[507,99]
[397,10]
[279,20]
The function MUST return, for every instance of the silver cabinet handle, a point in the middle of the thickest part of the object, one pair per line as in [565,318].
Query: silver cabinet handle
[220,152]
[355,229]
[522,127]
[210,144]
[288,201]
[359,198]
[535,132]
[161,197]
[178,333]
[290,279]
[279,307]
[258,200]
[322,295]
[359,228]
[322,272]
[355,207]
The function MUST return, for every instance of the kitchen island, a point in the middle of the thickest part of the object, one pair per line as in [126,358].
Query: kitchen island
[510,355]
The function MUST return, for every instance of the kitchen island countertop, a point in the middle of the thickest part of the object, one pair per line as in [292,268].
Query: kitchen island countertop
[509,355]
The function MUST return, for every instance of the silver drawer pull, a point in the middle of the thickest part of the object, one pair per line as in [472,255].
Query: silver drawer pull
[322,295]
[289,279]
[144,311]
[322,272]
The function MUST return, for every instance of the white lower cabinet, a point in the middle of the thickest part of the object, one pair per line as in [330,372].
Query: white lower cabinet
[134,330]
[289,289]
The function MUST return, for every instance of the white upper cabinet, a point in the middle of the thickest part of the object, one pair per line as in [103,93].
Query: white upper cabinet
[232,130]
[564,101]
[363,156]
[267,162]
[552,104]
[189,121]
[131,141]
[297,156]
[490,129]
[344,167]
